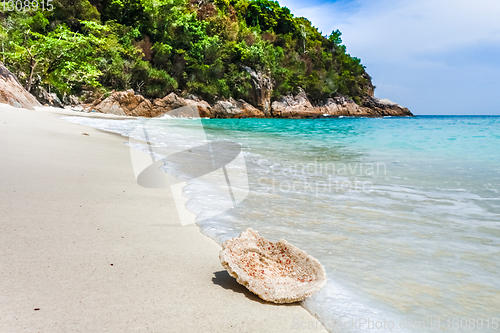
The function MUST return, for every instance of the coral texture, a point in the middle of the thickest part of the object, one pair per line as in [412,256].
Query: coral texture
[277,272]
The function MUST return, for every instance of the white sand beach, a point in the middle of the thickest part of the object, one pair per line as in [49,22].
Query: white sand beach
[83,248]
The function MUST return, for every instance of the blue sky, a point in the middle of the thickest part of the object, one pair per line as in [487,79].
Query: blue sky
[432,56]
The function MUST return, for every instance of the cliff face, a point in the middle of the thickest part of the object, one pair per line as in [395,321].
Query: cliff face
[13,93]
[262,88]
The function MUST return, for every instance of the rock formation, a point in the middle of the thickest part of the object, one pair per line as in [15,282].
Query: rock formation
[48,99]
[71,100]
[236,109]
[277,272]
[172,102]
[293,107]
[127,103]
[13,93]
[262,87]
[300,107]
[385,107]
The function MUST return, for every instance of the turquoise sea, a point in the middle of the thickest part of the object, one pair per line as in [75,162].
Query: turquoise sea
[404,213]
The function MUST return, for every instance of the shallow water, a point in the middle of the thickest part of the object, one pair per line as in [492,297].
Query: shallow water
[402,212]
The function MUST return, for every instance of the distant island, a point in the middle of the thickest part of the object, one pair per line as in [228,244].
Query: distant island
[230,59]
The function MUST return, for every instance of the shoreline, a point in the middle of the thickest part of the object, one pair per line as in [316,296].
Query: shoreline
[94,251]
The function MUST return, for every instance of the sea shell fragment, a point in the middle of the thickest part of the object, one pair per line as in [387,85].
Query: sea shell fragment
[277,272]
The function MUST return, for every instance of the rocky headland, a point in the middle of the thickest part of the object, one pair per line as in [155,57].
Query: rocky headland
[260,104]
[130,103]
[299,106]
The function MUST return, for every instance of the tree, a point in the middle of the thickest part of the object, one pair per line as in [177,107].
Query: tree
[188,46]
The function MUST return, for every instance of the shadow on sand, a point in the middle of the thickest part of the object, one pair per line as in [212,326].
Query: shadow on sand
[226,281]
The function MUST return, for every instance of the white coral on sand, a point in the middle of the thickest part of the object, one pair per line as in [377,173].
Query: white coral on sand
[277,272]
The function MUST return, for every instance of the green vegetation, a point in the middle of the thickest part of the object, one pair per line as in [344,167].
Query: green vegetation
[187,46]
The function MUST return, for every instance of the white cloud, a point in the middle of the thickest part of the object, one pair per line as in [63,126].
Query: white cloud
[397,30]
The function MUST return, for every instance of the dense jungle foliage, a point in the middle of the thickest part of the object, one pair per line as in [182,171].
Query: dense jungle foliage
[186,46]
